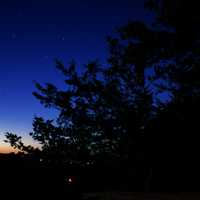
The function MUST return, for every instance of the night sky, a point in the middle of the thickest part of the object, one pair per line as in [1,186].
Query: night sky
[35,32]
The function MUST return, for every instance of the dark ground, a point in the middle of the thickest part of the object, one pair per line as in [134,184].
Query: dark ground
[24,177]
[141,196]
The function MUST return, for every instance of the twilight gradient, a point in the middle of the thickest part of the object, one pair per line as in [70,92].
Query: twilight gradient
[33,33]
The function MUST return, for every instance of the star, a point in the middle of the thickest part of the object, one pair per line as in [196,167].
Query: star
[20,13]
[13,36]
[62,38]
[46,57]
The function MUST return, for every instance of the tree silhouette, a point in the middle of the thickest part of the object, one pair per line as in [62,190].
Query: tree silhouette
[101,109]
[113,113]
[16,142]
[176,127]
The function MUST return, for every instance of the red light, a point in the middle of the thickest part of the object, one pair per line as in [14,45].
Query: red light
[70,180]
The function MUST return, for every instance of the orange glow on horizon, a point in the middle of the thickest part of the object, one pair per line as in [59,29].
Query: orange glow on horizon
[5,149]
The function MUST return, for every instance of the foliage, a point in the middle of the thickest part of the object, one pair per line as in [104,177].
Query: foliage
[103,110]
[114,111]
[16,142]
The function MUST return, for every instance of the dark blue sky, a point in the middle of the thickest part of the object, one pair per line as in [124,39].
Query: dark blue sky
[34,32]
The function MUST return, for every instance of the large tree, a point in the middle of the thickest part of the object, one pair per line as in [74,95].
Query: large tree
[176,127]
[113,111]
[103,111]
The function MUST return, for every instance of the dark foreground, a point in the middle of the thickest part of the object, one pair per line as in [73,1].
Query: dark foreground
[141,196]
[25,177]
